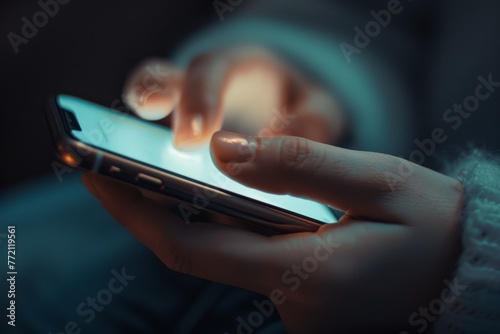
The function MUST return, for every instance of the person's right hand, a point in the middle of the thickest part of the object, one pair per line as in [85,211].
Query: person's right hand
[248,90]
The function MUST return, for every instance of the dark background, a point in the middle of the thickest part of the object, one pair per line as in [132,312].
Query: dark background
[89,46]
[86,50]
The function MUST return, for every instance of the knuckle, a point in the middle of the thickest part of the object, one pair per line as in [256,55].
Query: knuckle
[389,174]
[299,154]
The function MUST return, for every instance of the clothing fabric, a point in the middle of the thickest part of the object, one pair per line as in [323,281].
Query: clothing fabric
[476,306]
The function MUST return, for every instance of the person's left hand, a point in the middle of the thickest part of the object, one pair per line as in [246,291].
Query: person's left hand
[385,258]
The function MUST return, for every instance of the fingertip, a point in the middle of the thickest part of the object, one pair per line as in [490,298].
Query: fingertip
[153,89]
[232,147]
[213,147]
[191,130]
[156,106]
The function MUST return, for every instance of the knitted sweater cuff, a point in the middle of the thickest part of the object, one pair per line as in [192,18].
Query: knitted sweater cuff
[477,308]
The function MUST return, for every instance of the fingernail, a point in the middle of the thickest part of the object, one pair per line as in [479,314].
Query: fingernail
[232,147]
[187,133]
[196,126]
[87,182]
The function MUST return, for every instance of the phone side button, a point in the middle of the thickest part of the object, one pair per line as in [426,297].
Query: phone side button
[149,181]
[114,170]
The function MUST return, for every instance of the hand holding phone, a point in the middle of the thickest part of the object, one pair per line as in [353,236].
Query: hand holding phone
[386,257]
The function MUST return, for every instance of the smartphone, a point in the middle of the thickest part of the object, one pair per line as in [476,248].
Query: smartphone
[122,146]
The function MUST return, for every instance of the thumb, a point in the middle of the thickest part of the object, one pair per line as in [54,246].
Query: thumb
[365,185]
